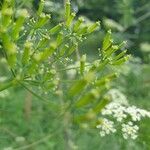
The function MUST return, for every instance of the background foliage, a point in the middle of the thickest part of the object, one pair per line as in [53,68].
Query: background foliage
[129,20]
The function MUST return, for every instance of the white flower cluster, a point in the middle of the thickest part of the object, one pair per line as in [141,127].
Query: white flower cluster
[122,114]
[129,130]
[116,110]
[106,127]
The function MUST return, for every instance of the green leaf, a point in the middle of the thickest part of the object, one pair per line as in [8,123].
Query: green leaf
[88,98]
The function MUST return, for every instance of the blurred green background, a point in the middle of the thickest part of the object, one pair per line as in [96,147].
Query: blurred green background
[22,123]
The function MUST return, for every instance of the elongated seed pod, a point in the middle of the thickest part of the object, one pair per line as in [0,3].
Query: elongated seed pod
[120,55]
[63,50]
[82,64]
[42,20]
[70,19]
[55,29]
[67,10]
[107,41]
[77,24]
[106,79]
[88,98]
[81,84]
[121,61]
[6,17]
[41,7]
[26,53]
[101,105]
[59,38]
[21,14]
[82,30]
[109,52]
[93,27]
[47,53]
[73,48]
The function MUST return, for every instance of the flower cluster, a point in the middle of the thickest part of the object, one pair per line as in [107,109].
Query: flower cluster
[106,127]
[120,112]
[129,130]
[126,115]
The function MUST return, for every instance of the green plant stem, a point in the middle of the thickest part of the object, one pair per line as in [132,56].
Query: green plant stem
[7,85]
[53,105]
[35,143]
[65,69]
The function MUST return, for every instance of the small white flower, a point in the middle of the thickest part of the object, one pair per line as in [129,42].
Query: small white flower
[106,127]
[120,112]
[116,110]
[129,130]
[133,112]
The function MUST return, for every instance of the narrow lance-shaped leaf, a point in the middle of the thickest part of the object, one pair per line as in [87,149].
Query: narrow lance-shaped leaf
[88,98]
[103,102]
[81,84]
[90,115]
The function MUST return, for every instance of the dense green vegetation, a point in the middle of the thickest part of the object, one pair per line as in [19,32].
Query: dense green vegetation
[29,121]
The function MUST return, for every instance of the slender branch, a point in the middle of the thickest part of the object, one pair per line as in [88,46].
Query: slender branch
[12,134]
[70,68]
[36,95]
[7,85]
[142,8]
[35,143]
[143,17]
[140,19]
[39,97]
